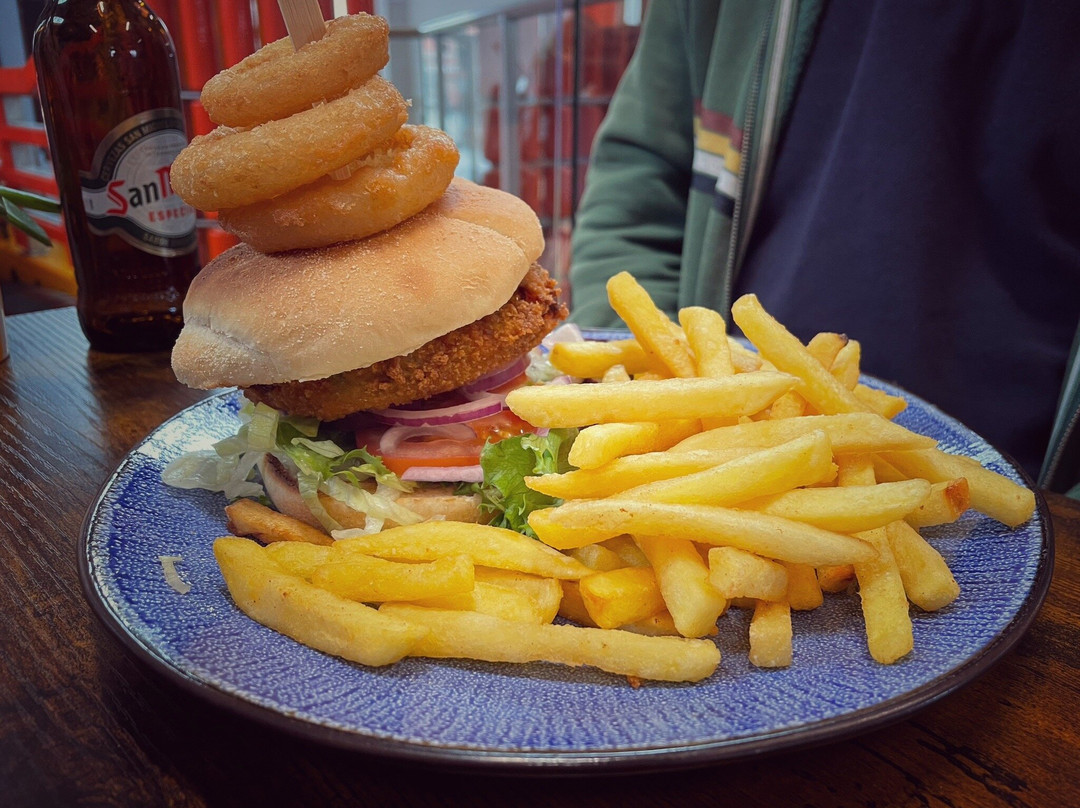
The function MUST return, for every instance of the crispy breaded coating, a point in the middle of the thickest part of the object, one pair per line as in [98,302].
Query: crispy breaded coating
[454,359]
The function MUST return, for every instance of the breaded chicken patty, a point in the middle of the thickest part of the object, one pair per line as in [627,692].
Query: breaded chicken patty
[449,361]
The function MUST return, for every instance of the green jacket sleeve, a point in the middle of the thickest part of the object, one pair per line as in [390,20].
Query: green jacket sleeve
[633,212]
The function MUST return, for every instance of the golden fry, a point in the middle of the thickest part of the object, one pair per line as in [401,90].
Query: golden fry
[789,405]
[621,596]
[736,573]
[576,405]
[683,578]
[246,517]
[498,601]
[802,461]
[486,545]
[889,633]
[825,347]
[788,355]
[846,509]
[370,579]
[945,503]
[626,549]
[835,577]
[649,325]
[852,433]
[707,334]
[630,471]
[288,604]
[804,591]
[581,522]
[885,405]
[615,373]
[991,493]
[597,557]
[299,558]
[599,444]
[591,360]
[476,636]
[928,582]
[770,635]
[845,366]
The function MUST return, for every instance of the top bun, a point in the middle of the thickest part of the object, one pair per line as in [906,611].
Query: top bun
[252,318]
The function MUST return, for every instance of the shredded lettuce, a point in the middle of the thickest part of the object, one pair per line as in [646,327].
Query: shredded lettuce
[310,451]
[322,466]
[507,463]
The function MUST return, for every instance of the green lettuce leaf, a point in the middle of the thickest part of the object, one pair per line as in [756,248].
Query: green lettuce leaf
[507,463]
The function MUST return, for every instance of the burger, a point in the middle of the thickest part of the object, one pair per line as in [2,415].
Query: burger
[374,371]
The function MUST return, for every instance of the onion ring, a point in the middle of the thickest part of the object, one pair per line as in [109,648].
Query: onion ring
[395,182]
[229,168]
[277,80]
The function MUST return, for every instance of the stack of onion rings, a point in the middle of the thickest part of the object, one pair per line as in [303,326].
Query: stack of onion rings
[277,80]
[232,167]
[312,112]
[396,181]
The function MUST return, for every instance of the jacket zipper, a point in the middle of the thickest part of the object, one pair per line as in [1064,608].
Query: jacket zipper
[747,204]
[1069,426]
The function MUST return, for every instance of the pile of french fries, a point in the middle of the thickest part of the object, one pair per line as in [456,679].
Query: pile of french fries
[707,476]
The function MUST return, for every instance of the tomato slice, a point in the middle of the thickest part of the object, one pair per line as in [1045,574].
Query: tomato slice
[443,451]
[501,425]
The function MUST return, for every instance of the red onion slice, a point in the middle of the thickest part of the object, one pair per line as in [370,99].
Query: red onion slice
[470,410]
[444,474]
[396,435]
[498,377]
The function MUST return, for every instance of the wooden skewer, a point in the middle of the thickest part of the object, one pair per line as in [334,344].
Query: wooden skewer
[304,22]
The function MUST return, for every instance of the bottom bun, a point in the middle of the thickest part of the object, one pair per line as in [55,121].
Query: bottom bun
[430,502]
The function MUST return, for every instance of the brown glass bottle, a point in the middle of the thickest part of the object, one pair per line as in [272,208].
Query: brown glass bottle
[110,96]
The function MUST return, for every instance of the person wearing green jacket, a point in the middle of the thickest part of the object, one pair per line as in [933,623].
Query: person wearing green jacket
[907,173]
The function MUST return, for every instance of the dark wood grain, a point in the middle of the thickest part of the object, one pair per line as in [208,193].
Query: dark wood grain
[83,722]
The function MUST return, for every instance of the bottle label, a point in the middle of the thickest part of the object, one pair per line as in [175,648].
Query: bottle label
[127,190]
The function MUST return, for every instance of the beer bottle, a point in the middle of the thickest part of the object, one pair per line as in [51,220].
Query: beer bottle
[110,96]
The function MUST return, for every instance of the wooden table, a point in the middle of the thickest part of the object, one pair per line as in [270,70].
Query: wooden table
[84,722]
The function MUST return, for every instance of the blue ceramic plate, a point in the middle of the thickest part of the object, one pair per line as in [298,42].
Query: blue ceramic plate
[541,717]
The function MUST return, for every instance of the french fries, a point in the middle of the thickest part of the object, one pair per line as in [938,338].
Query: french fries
[582,522]
[771,635]
[631,471]
[246,517]
[804,590]
[989,492]
[367,578]
[500,601]
[621,596]
[266,592]
[735,573]
[485,545]
[683,581]
[928,582]
[707,476]
[787,354]
[847,509]
[577,405]
[803,461]
[649,325]
[889,633]
[591,360]
[854,433]
[478,636]
[597,445]
[707,335]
